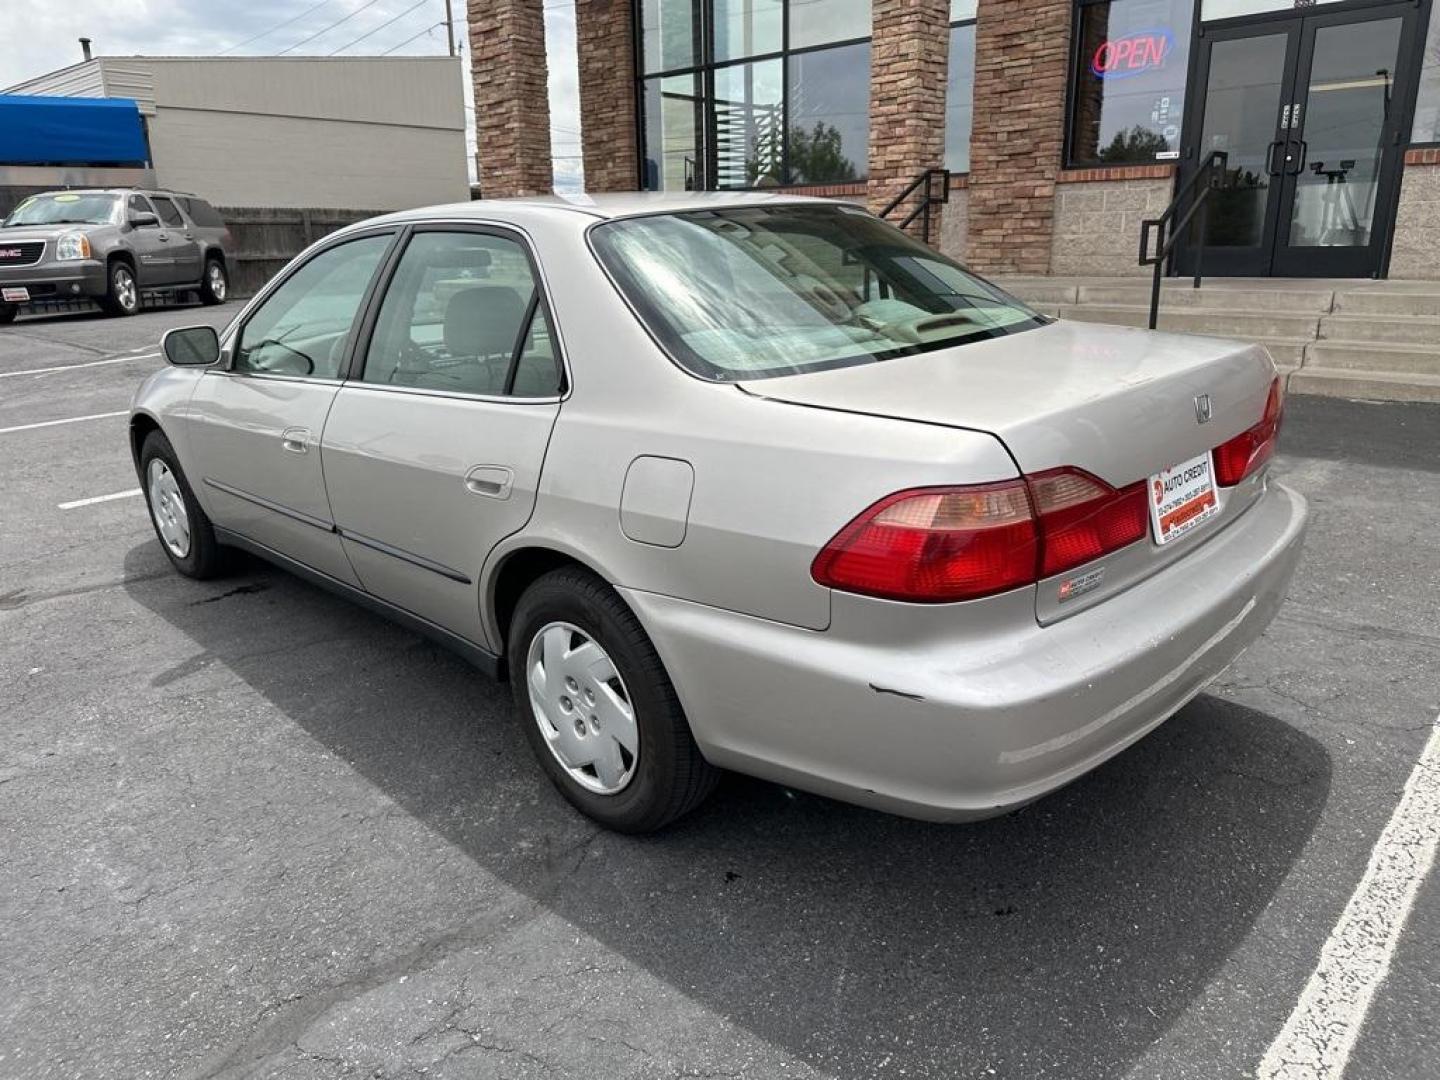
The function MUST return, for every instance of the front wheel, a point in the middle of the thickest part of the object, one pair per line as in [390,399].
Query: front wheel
[215,285]
[182,527]
[598,709]
[122,295]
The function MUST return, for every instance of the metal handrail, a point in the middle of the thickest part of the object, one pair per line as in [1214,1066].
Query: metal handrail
[925,179]
[1168,229]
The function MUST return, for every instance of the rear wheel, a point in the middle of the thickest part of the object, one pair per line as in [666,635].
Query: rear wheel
[216,283]
[8,313]
[598,709]
[184,531]
[122,294]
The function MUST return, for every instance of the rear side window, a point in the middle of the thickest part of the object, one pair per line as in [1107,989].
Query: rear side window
[202,213]
[168,214]
[463,314]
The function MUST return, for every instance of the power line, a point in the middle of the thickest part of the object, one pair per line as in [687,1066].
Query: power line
[369,33]
[280,26]
[326,30]
[407,41]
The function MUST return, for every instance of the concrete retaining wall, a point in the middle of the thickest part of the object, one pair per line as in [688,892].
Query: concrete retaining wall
[1416,252]
[1097,225]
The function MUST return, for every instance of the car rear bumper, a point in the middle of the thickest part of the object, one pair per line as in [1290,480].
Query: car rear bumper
[51,282]
[922,712]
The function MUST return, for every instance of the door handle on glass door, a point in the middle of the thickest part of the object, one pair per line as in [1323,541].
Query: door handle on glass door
[295,439]
[492,481]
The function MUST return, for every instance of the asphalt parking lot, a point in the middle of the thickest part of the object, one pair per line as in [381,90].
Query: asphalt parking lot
[250,830]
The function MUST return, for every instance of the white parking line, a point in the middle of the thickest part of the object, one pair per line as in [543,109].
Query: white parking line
[1316,1042]
[73,367]
[99,499]
[67,420]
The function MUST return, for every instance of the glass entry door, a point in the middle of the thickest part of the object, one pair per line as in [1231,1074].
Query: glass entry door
[1309,111]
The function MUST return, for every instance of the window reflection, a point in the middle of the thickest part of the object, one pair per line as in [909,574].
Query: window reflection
[749,121]
[1129,81]
[960,97]
[819,22]
[829,133]
[748,28]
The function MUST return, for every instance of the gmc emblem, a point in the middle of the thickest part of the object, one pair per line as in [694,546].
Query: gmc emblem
[11,253]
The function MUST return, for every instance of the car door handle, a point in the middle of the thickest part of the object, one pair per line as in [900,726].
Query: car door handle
[492,481]
[296,440]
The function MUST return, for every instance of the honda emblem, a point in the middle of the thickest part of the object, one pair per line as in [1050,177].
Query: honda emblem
[1202,408]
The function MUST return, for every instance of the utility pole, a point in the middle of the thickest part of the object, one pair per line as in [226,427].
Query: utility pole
[450,25]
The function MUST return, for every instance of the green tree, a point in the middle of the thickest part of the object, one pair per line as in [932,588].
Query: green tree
[815,156]
[1135,144]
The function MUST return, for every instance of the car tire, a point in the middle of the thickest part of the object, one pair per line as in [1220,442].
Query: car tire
[8,313]
[122,290]
[174,513]
[215,285]
[666,776]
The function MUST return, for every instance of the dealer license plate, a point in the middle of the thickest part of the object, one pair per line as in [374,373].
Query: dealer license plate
[15,296]
[1182,498]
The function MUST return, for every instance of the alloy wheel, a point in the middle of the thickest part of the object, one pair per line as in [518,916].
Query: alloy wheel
[216,279]
[125,293]
[582,707]
[167,506]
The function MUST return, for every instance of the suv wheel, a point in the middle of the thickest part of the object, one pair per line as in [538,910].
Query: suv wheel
[598,709]
[8,313]
[122,297]
[216,283]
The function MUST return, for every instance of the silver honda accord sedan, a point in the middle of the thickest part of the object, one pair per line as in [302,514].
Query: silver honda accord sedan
[745,482]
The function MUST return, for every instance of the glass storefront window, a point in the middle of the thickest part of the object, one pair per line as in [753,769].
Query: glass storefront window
[748,28]
[1426,128]
[749,124]
[674,119]
[1210,10]
[671,33]
[960,96]
[1129,86]
[819,22]
[829,135]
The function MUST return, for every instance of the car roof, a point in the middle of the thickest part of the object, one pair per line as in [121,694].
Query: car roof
[118,191]
[609,205]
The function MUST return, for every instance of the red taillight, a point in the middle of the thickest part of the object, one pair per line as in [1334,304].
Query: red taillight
[1082,518]
[1241,456]
[935,545]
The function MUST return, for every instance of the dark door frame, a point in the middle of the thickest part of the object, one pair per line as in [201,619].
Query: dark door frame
[1303,22]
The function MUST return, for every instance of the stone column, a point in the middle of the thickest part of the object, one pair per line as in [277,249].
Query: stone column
[512,104]
[606,46]
[909,51]
[1022,56]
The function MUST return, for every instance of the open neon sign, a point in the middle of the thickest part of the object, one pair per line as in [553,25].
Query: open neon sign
[1133,54]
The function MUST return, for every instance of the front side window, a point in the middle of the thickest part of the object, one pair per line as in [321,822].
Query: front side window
[168,214]
[1131,59]
[138,204]
[303,326]
[754,292]
[65,208]
[463,314]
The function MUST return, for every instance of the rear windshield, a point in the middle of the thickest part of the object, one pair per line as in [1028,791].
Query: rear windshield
[753,292]
[65,208]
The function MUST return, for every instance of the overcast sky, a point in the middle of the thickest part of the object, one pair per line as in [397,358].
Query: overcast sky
[41,36]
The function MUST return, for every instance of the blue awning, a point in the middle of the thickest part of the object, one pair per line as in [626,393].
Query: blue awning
[71,131]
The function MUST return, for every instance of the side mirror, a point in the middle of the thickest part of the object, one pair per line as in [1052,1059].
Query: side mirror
[191,346]
[144,221]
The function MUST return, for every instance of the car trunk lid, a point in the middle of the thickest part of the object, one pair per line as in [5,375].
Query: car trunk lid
[1119,403]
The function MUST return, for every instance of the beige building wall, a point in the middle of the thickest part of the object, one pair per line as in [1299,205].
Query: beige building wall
[352,133]
[1416,251]
[1097,225]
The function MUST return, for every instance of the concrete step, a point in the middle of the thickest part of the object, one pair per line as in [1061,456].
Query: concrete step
[1398,329]
[1244,325]
[1037,291]
[1212,298]
[1365,385]
[1373,356]
[1405,300]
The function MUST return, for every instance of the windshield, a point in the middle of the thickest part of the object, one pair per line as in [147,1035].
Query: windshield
[752,292]
[65,208]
